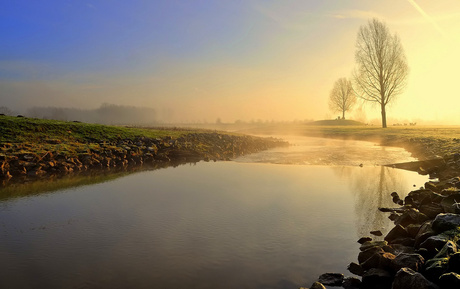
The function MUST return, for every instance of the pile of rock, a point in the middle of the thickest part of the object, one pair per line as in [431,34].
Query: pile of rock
[421,251]
[100,154]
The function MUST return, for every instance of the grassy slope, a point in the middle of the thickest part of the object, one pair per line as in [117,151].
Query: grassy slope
[38,136]
[13,129]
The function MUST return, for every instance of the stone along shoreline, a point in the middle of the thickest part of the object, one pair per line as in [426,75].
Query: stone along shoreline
[32,148]
[422,250]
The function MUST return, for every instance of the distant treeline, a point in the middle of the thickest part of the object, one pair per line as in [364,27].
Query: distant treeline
[105,114]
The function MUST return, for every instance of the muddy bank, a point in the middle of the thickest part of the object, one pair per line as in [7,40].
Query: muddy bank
[18,161]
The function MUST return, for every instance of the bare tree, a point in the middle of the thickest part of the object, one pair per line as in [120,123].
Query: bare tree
[342,97]
[382,68]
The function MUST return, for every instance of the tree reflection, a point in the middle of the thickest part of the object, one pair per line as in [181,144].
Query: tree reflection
[371,188]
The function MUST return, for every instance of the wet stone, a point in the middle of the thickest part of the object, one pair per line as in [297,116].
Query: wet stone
[445,222]
[331,279]
[407,278]
[355,269]
[364,240]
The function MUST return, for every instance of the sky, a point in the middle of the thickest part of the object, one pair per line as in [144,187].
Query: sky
[203,60]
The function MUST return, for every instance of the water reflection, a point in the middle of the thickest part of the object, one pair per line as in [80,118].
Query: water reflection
[371,190]
[18,188]
[214,225]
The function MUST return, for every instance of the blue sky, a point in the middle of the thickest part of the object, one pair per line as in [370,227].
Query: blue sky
[244,60]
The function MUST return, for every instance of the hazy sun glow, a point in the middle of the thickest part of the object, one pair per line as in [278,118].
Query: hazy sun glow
[267,60]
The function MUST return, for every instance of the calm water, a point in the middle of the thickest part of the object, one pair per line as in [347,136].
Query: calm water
[271,220]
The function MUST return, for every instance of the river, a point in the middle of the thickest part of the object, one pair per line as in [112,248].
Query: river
[277,219]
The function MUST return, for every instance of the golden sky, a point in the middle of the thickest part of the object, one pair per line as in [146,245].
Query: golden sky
[203,60]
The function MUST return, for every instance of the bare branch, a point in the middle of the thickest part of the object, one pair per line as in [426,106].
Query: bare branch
[382,68]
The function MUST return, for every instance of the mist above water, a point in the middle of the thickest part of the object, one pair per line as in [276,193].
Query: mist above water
[330,152]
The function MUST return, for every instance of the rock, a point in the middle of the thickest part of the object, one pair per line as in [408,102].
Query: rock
[413,230]
[424,233]
[331,279]
[454,263]
[398,249]
[397,199]
[393,216]
[431,210]
[364,240]
[404,241]
[371,244]
[418,197]
[450,204]
[355,269]
[351,283]
[411,216]
[445,222]
[317,285]
[376,233]
[411,261]
[377,277]
[364,255]
[379,260]
[449,249]
[397,232]
[435,242]
[407,278]
[432,186]
[434,268]
[450,281]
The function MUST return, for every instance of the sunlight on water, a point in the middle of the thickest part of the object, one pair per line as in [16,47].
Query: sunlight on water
[329,152]
[209,225]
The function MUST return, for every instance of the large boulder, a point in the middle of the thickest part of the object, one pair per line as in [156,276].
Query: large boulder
[411,261]
[445,222]
[435,243]
[407,278]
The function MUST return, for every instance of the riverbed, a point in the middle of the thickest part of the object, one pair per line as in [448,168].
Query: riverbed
[276,219]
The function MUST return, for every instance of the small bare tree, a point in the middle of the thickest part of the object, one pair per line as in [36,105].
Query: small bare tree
[342,97]
[382,68]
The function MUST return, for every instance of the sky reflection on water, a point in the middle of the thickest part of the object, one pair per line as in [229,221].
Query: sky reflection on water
[209,225]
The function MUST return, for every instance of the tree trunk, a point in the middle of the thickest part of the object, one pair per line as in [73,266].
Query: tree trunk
[343,114]
[384,116]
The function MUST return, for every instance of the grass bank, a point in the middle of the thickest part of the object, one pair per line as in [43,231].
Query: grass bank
[36,148]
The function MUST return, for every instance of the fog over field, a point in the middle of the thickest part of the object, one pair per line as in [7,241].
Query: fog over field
[219,61]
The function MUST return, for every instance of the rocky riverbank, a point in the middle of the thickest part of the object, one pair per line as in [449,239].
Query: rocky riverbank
[51,156]
[422,250]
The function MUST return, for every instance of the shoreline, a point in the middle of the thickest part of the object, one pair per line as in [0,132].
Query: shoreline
[420,251]
[158,152]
